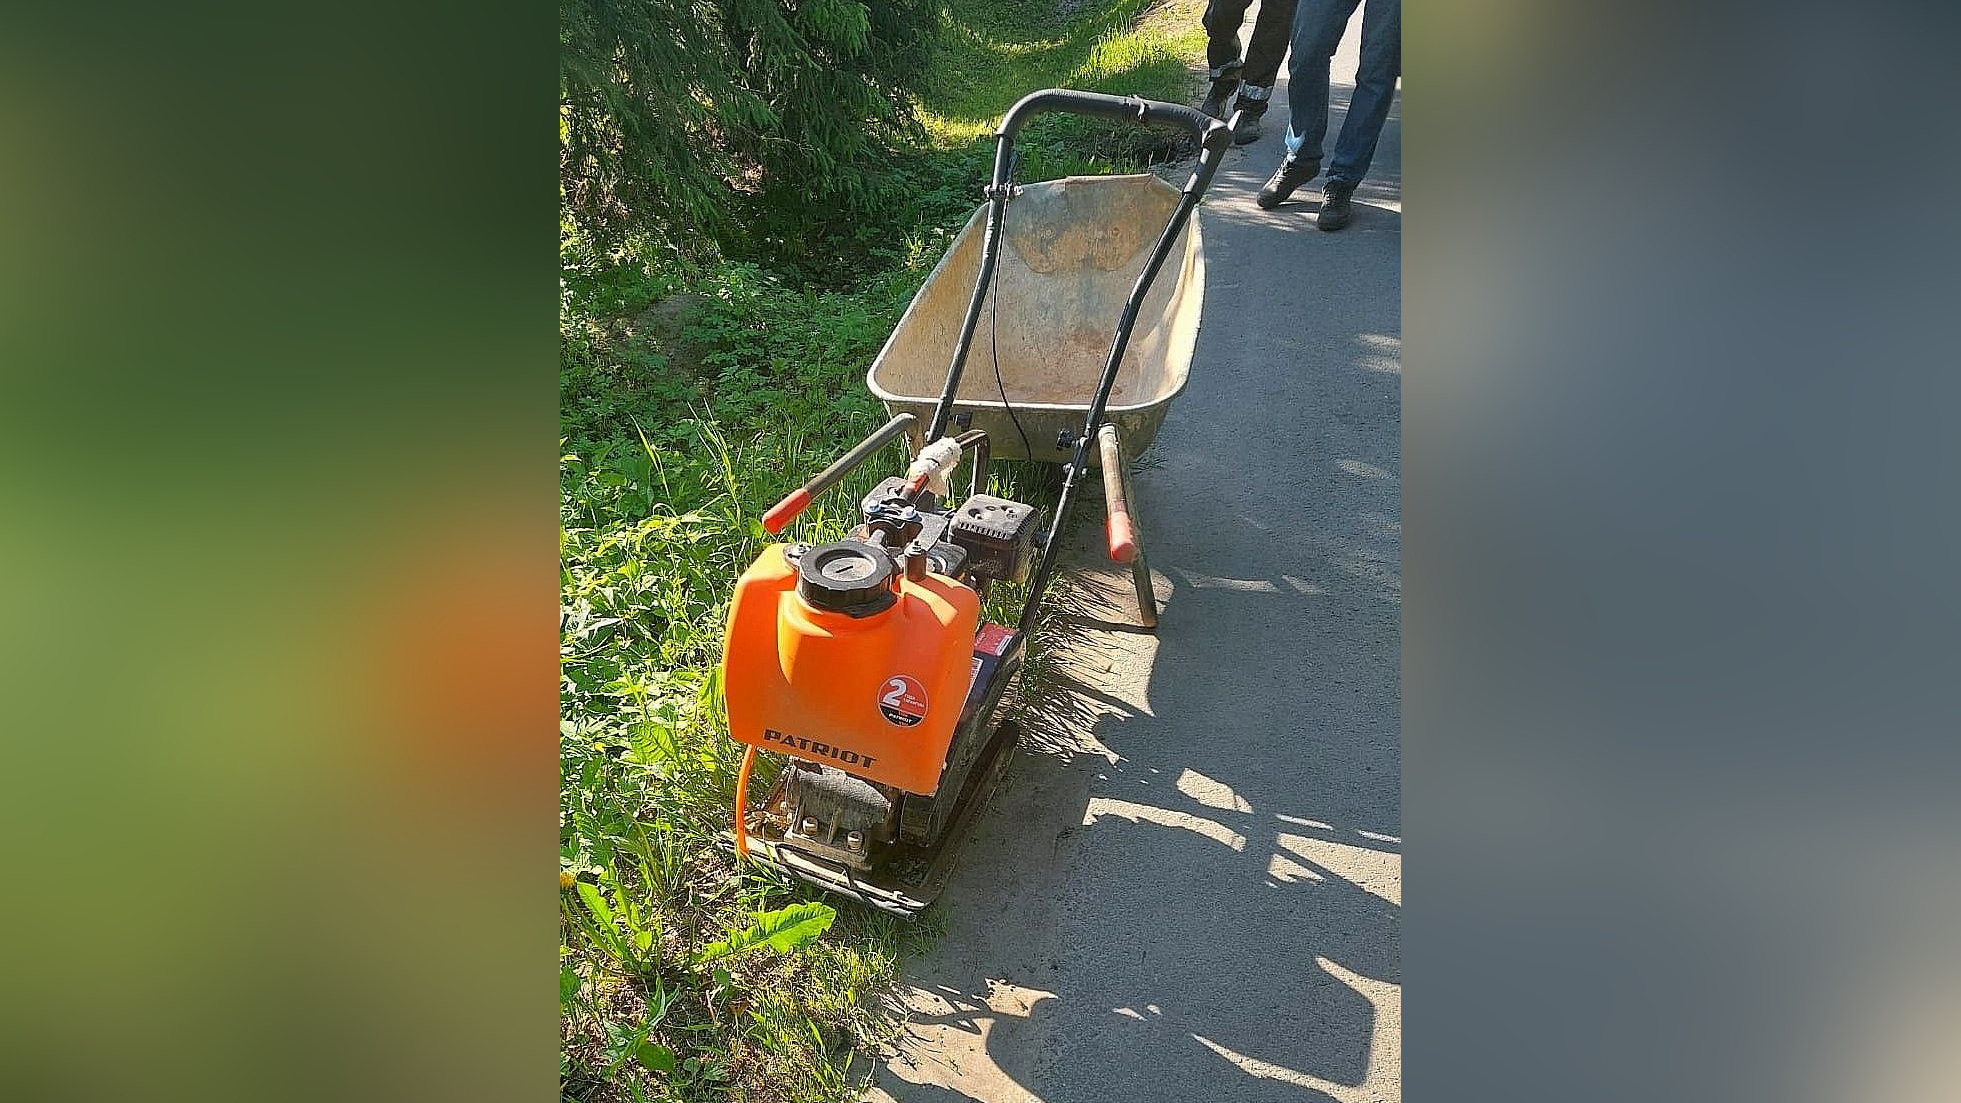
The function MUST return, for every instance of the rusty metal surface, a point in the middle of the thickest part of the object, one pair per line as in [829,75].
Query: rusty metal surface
[1073,248]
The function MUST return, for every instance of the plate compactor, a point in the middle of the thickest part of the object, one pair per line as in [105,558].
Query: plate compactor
[865,662]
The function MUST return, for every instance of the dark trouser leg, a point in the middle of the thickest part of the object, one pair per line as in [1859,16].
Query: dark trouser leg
[1375,89]
[1222,21]
[1271,29]
[1318,25]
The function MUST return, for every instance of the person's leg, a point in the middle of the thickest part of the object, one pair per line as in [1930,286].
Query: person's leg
[1271,29]
[1375,88]
[1318,25]
[1222,21]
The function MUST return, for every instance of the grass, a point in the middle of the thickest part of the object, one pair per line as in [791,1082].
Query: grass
[995,53]
[693,395]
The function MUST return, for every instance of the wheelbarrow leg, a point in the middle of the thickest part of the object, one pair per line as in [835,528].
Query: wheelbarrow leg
[1147,598]
[1126,535]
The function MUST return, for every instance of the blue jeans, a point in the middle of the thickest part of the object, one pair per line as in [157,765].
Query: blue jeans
[1318,27]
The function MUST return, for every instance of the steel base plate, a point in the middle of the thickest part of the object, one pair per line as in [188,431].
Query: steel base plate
[906,878]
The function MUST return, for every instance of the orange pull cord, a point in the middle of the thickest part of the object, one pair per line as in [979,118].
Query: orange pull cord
[742,803]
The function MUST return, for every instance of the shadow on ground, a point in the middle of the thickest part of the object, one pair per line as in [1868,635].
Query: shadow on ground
[1189,887]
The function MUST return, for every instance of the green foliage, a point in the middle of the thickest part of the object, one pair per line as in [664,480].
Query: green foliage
[678,436]
[784,930]
[711,121]
[993,53]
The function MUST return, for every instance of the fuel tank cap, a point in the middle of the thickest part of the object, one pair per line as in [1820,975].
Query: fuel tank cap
[849,577]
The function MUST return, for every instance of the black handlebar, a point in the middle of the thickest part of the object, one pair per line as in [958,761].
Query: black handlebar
[1142,111]
[1214,138]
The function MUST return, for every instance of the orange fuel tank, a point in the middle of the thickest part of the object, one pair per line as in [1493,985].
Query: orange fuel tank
[876,694]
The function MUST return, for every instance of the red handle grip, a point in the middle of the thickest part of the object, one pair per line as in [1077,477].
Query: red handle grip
[1123,534]
[782,513]
[1123,538]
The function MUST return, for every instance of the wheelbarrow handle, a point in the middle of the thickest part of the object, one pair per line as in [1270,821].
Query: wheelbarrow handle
[782,513]
[1214,137]
[1123,531]
[1135,108]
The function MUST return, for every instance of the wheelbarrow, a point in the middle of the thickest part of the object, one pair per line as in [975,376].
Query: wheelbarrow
[1065,261]
[1071,253]
[865,661]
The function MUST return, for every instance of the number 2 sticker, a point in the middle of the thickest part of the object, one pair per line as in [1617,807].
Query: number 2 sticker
[902,700]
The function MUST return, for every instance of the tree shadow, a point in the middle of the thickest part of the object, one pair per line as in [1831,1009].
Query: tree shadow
[1168,901]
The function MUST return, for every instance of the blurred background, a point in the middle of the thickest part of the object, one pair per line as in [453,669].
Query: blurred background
[1680,448]
[276,369]
[276,363]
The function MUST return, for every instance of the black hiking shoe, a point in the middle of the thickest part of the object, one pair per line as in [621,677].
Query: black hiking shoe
[1335,211]
[1246,121]
[1219,95]
[1290,175]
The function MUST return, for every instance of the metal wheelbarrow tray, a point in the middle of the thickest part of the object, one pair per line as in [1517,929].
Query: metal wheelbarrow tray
[1073,251]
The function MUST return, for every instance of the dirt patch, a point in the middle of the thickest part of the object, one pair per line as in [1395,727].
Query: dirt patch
[662,327]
